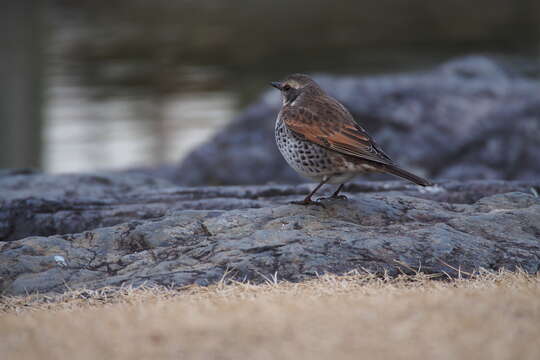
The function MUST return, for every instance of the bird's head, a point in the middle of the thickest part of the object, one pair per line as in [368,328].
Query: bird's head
[295,85]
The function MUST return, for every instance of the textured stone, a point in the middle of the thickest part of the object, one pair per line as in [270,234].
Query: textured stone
[112,230]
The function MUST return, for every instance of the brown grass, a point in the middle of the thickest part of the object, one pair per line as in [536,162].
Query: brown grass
[489,316]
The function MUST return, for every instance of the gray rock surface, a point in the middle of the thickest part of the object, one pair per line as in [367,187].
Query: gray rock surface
[90,231]
[471,118]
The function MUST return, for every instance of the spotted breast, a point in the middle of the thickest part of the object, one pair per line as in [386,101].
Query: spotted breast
[311,160]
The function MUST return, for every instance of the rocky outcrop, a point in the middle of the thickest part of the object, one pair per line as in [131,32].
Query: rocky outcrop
[109,230]
[471,118]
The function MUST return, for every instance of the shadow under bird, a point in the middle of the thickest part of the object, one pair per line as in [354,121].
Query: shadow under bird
[319,138]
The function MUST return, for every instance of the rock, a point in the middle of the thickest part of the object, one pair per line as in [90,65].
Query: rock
[91,231]
[471,118]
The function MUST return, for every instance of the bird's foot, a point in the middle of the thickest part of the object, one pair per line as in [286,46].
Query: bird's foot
[308,202]
[333,197]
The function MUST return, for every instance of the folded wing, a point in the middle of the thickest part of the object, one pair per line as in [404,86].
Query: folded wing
[330,125]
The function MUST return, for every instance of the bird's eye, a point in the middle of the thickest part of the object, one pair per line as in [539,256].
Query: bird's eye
[286,88]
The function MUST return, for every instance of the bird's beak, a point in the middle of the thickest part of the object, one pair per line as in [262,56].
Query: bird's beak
[276,84]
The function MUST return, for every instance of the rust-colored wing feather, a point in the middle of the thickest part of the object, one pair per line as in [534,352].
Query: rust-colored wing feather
[329,124]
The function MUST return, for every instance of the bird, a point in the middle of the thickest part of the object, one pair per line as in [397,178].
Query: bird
[320,139]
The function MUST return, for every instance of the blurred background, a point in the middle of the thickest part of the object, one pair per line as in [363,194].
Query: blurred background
[113,85]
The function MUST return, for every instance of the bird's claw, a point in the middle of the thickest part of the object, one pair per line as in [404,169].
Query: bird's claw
[308,202]
[333,197]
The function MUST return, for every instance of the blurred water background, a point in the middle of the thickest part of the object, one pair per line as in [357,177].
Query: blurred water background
[100,85]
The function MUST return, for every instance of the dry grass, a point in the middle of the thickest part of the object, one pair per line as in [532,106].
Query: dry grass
[489,316]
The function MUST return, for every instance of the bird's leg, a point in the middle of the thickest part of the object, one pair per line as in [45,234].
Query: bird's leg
[307,200]
[335,195]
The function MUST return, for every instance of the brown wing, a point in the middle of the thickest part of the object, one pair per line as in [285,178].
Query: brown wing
[329,124]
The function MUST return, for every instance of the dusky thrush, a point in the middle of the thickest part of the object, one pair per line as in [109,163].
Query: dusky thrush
[320,139]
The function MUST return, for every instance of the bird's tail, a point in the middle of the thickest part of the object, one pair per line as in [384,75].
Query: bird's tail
[394,170]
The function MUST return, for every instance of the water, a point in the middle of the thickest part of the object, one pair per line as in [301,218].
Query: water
[83,133]
[142,83]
